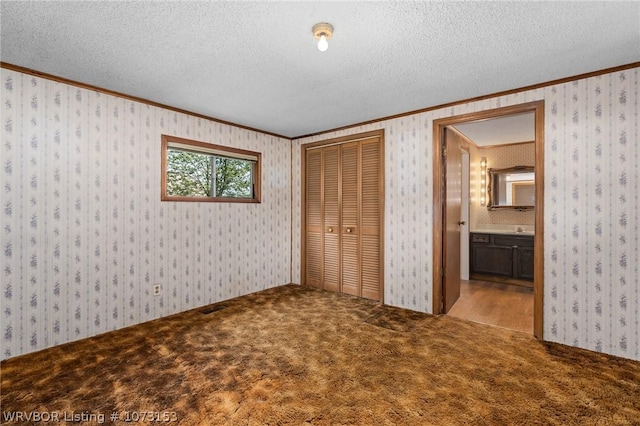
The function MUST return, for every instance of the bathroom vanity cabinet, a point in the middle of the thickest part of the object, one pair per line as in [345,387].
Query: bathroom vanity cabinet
[502,257]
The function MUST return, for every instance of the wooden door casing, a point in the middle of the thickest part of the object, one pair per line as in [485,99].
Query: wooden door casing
[538,109]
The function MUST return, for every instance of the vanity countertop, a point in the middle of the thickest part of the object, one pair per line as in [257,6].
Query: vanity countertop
[503,232]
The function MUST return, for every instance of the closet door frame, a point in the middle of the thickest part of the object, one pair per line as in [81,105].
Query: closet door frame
[303,158]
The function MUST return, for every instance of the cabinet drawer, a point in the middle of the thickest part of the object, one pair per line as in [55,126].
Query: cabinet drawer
[480,238]
[512,240]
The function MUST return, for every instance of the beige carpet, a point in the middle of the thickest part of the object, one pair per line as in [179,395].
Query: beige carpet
[293,355]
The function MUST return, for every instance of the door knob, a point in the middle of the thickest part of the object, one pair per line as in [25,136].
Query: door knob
[462,222]
[348,230]
[330,230]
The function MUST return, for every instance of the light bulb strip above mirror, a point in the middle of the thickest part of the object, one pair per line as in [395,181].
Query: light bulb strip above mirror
[322,32]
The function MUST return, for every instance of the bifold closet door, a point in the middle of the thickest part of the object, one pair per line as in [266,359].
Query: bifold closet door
[314,219]
[323,218]
[350,195]
[343,213]
[370,217]
[331,210]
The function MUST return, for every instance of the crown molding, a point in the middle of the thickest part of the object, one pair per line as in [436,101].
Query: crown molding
[479,98]
[131,98]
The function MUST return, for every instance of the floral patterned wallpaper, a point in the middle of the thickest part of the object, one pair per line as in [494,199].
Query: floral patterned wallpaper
[591,216]
[85,235]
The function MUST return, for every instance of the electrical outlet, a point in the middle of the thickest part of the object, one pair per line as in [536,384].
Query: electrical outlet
[156,289]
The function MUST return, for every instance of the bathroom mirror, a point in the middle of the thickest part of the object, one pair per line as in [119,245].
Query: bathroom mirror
[512,188]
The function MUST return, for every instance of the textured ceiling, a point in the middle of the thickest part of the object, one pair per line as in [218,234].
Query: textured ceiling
[256,63]
[508,129]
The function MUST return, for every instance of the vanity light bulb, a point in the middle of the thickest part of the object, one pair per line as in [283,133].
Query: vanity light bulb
[323,45]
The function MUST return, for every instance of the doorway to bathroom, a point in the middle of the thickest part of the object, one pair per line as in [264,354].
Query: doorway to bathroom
[505,258]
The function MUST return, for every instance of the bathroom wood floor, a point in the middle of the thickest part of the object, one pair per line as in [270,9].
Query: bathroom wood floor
[502,305]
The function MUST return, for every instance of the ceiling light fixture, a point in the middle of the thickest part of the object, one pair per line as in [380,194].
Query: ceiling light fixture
[322,32]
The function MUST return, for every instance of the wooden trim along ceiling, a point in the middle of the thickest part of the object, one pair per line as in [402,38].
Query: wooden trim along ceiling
[376,120]
[129,97]
[479,98]
[438,202]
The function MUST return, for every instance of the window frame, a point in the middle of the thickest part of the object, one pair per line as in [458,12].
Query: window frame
[213,150]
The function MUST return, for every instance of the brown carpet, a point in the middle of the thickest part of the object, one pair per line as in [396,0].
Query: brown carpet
[293,355]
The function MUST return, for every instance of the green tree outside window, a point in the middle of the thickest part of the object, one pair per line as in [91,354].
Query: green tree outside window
[191,174]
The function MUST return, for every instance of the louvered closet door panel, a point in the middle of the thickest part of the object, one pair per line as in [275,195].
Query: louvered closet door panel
[313,210]
[371,267]
[330,166]
[350,206]
[370,215]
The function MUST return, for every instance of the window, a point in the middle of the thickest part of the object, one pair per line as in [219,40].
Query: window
[198,171]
